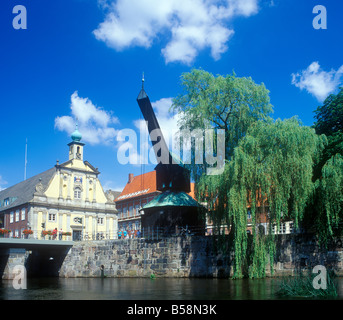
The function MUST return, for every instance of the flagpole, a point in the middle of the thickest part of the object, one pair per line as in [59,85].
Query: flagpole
[25,159]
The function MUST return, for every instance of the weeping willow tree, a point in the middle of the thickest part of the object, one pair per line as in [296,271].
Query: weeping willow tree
[228,103]
[271,167]
[327,201]
[329,121]
[222,102]
[268,164]
[324,213]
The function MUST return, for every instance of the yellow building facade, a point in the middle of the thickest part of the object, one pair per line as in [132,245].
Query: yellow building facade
[66,202]
[74,201]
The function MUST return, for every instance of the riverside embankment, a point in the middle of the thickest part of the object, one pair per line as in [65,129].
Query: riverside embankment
[188,257]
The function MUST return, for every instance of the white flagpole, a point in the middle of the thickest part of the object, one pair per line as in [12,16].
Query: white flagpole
[25,159]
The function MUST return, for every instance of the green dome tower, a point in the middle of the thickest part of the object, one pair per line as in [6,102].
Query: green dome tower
[76,146]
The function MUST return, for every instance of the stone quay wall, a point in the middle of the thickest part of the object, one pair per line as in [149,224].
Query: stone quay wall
[168,257]
[189,257]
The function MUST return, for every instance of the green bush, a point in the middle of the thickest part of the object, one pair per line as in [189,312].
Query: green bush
[301,286]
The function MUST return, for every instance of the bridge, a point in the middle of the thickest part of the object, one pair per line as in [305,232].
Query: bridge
[41,258]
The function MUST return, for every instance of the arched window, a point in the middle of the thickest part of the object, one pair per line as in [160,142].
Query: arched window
[77,193]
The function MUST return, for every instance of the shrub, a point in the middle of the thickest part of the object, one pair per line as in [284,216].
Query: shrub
[302,286]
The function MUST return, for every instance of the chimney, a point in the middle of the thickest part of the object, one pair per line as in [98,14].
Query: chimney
[131,175]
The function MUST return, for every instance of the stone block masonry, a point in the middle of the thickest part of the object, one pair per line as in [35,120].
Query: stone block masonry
[168,257]
[188,257]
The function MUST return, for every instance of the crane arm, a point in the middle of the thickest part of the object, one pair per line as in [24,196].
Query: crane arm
[168,174]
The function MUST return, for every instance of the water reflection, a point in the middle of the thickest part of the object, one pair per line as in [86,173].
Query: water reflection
[143,289]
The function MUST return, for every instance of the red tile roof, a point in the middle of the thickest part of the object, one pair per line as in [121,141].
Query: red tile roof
[141,185]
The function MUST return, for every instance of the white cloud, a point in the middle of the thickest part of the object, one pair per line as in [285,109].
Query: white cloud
[94,123]
[316,81]
[189,26]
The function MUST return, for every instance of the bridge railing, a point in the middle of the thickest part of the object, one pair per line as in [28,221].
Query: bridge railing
[156,233]
[149,233]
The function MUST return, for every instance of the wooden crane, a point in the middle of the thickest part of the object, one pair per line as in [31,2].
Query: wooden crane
[174,208]
[169,174]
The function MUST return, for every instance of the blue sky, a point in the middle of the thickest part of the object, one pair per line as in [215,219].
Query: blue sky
[85,58]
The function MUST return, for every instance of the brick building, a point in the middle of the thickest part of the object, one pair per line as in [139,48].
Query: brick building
[138,191]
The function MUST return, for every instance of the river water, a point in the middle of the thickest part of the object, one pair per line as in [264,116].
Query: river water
[145,289]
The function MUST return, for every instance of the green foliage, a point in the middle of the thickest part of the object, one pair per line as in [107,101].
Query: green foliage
[329,121]
[268,164]
[327,206]
[259,257]
[325,209]
[275,161]
[230,103]
[329,117]
[272,166]
[302,286]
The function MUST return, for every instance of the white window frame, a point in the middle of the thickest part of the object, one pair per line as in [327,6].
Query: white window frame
[52,217]
[284,227]
[17,215]
[274,228]
[23,213]
[11,216]
[77,193]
